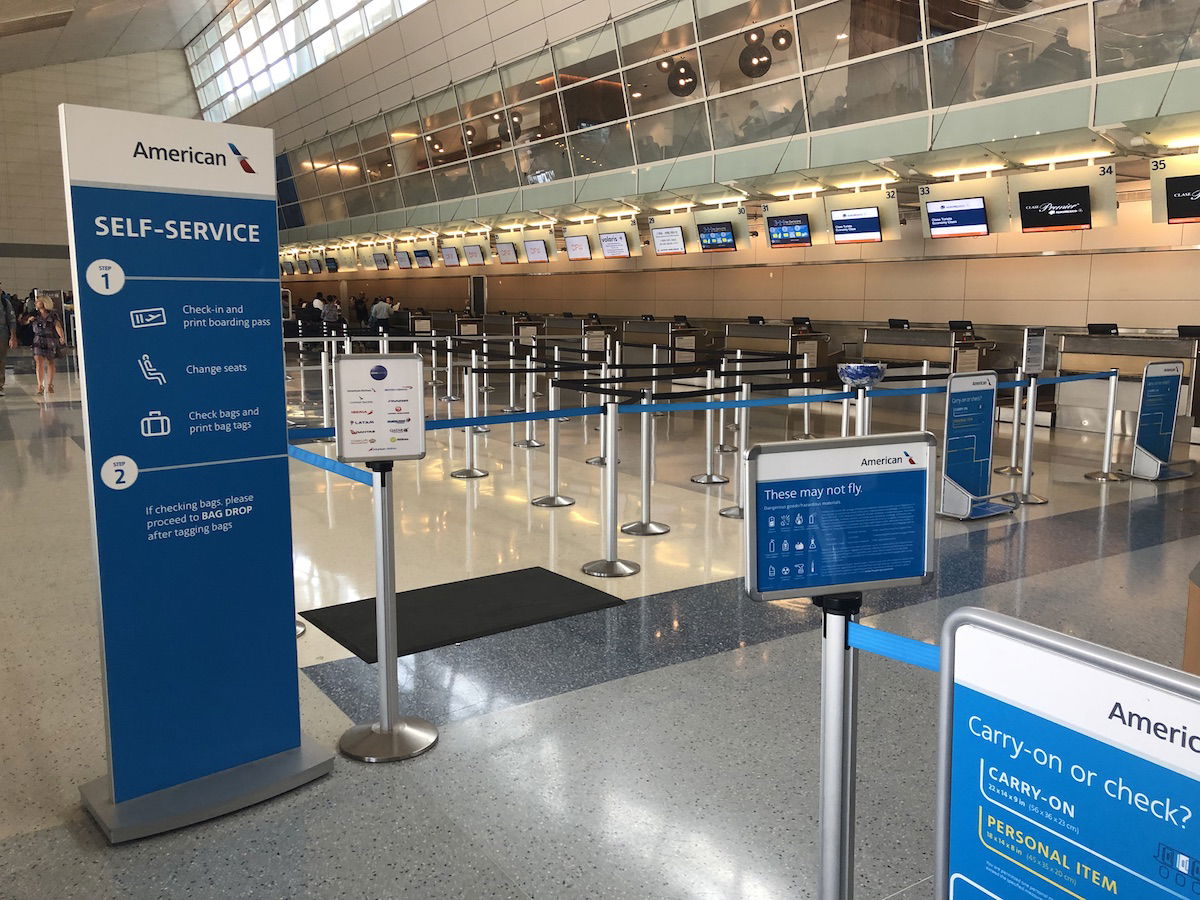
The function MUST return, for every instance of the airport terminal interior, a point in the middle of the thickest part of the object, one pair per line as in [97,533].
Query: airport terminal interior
[625,256]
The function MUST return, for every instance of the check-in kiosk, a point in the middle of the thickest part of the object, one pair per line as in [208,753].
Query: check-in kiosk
[678,335]
[1082,405]
[421,323]
[777,340]
[466,326]
[575,332]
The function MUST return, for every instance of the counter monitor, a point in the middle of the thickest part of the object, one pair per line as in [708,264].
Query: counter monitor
[506,252]
[789,231]
[331,263]
[966,217]
[381,261]
[403,260]
[1183,199]
[578,247]
[314,266]
[1057,209]
[424,259]
[473,253]
[668,241]
[535,251]
[614,244]
[302,266]
[450,256]
[716,236]
[856,226]
[289,268]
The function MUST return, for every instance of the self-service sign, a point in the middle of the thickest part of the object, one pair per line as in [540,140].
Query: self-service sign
[380,407]
[967,458]
[839,514]
[174,253]
[1157,411]
[1067,770]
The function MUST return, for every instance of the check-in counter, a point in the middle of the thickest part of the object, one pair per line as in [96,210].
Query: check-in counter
[958,351]
[1082,405]
[466,326]
[781,340]
[575,332]
[444,321]
[681,339]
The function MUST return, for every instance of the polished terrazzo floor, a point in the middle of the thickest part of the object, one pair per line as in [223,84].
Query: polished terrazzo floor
[665,748]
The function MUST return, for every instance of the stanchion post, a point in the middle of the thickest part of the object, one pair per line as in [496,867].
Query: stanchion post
[433,364]
[646,526]
[737,511]
[347,346]
[709,475]
[602,459]
[610,566]
[450,396]
[924,397]
[530,441]
[488,387]
[654,376]
[555,498]
[512,379]
[808,432]
[326,413]
[860,413]
[479,429]
[1026,495]
[1106,472]
[384,339]
[394,736]
[721,446]
[838,734]
[845,417]
[471,409]
[1014,450]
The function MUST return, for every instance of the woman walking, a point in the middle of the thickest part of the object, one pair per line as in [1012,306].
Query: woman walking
[48,340]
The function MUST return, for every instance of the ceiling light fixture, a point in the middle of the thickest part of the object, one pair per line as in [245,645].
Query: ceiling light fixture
[1075,157]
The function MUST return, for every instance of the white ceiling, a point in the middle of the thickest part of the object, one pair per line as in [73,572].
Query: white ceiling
[99,28]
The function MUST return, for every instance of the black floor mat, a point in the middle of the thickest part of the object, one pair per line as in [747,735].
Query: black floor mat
[461,611]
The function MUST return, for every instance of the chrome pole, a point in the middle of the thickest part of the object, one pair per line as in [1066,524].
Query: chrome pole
[737,511]
[808,432]
[394,736]
[471,409]
[488,387]
[384,339]
[645,526]
[480,429]
[709,475]
[1014,462]
[1106,473]
[860,413]
[555,498]
[833,756]
[347,346]
[512,379]
[449,396]
[924,397]
[530,440]
[610,566]
[602,458]
[433,363]
[1026,495]
[845,416]
[326,415]
[721,446]
[654,377]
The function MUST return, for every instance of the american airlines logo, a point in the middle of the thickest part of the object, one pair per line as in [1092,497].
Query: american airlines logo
[190,156]
[890,460]
[242,160]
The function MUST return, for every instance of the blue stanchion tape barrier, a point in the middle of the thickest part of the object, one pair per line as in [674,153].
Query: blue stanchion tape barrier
[1063,379]
[893,646]
[731,404]
[331,465]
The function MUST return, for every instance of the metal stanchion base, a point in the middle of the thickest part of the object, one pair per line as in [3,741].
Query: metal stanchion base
[564,418]
[482,429]
[658,414]
[468,473]
[611,568]
[300,627]
[528,444]
[1009,470]
[450,398]
[707,478]
[732,512]
[725,448]
[410,737]
[645,529]
[803,436]
[1030,499]
[511,409]
[552,501]
[1105,476]
[596,460]
[487,389]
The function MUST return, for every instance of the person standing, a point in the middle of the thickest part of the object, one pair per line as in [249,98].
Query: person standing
[8,334]
[381,313]
[48,339]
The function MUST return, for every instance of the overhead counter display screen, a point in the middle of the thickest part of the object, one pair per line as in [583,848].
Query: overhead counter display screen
[957,218]
[450,256]
[289,268]
[403,260]
[614,244]
[424,259]
[1059,209]
[314,266]
[716,236]
[578,247]
[473,254]
[1183,199]
[302,266]
[856,226]
[535,251]
[506,252]
[668,241]
[789,231]
[331,263]
[381,261]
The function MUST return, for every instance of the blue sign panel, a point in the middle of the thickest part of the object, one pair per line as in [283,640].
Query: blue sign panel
[861,516]
[177,288]
[1156,416]
[969,423]
[1089,793]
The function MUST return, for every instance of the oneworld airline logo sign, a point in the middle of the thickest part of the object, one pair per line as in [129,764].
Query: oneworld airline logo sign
[191,156]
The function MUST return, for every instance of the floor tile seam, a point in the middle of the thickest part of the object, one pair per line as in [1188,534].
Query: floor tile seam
[908,888]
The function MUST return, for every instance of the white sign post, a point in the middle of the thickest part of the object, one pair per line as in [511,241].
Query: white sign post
[381,419]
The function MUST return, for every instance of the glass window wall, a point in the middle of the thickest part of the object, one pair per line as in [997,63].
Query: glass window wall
[717,17]
[849,29]
[1139,35]
[668,81]
[773,111]
[667,28]
[544,161]
[679,132]
[497,172]
[528,77]
[601,149]
[752,56]
[862,92]
[1025,55]
[586,57]
[593,103]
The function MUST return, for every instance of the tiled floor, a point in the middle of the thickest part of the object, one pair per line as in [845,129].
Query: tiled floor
[665,748]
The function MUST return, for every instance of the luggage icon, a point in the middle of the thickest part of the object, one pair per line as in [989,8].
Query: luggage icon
[155,424]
